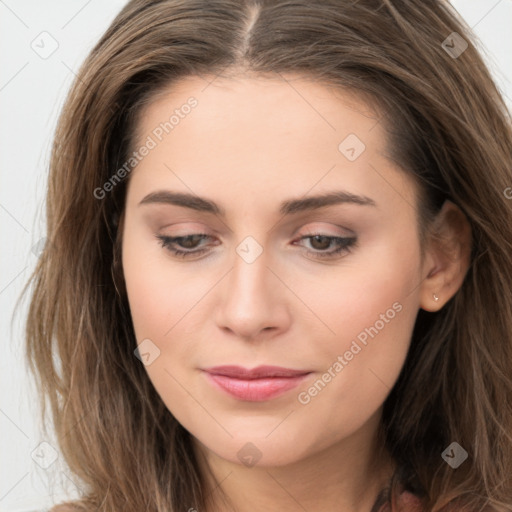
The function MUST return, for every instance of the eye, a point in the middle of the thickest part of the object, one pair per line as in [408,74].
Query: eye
[320,242]
[186,246]
[169,242]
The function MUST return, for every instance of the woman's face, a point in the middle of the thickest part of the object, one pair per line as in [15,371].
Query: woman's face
[308,259]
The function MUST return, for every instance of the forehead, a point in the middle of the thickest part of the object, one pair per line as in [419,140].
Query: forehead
[252,135]
[262,105]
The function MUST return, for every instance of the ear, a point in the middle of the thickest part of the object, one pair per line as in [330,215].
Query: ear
[447,257]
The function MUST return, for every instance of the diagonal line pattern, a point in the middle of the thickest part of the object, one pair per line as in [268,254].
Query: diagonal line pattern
[391,186]
[214,78]
[14,423]
[284,489]
[286,417]
[218,484]
[73,72]
[14,76]
[5,5]
[76,14]
[5,495]
[14,218]
[13,279]
[306,101]
[487,13]
[379,378]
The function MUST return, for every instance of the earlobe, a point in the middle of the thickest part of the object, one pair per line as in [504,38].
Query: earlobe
[448,258]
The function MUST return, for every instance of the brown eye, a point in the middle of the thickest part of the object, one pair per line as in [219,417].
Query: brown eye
[320,243]
[189,242]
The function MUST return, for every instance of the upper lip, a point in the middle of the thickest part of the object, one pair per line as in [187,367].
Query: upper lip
[239,372]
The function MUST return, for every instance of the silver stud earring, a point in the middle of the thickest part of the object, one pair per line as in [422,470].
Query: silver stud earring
[436,298]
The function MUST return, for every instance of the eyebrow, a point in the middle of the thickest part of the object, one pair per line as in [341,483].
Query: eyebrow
[287,207]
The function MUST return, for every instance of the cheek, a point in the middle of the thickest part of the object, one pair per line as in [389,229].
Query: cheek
[159,295]
[373,288]
[362,363]
[159,300]
[166,306]
[371,308]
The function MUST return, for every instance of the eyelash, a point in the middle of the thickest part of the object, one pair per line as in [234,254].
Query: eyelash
[345,244]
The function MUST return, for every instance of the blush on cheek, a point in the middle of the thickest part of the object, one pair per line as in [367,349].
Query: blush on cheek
[373,328]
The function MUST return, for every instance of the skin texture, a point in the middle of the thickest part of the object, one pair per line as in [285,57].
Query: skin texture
[248,145]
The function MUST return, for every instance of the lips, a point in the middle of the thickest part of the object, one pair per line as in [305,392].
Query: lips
[238,372]
[256,384]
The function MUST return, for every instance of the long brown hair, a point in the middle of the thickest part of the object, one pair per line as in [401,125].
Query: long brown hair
[447,125]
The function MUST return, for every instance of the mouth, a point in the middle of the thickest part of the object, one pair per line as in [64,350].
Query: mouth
[257,384]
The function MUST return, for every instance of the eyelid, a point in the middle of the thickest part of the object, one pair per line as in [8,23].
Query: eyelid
[314,230]
[341,232]
[188,228]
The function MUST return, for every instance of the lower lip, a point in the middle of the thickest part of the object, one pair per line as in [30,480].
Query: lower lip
[256,390]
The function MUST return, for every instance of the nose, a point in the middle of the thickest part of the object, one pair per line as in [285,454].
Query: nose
[253,302]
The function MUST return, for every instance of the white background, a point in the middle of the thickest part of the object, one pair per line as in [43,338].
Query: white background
[32,90]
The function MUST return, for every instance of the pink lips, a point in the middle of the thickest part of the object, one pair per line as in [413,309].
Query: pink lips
[255,385]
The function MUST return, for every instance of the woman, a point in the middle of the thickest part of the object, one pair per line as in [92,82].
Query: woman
[279,268]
